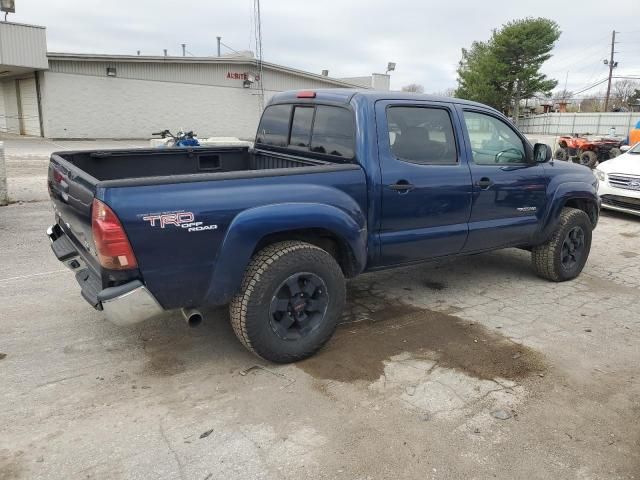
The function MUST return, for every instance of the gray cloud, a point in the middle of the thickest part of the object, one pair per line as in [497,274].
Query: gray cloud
[348,38]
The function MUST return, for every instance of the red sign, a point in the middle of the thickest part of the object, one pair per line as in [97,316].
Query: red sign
[240,76]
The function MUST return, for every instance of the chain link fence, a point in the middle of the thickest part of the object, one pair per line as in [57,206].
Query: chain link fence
[582,123]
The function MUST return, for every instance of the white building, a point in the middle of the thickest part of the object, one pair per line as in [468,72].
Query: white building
[66,95]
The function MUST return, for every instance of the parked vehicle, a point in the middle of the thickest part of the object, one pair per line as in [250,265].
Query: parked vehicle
[586,151]
[620,182]
[180,139]
[339,182]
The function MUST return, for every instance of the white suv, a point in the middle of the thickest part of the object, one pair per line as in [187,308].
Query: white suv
[620,182]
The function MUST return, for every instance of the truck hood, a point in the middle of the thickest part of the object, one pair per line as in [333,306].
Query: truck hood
[626,164]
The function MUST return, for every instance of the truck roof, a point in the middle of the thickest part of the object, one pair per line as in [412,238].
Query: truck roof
[344,95]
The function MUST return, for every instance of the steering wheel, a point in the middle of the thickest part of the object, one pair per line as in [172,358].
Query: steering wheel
[442,151]
[502,152]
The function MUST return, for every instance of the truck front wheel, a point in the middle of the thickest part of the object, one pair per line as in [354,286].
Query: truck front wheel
[564,255]
[290,301]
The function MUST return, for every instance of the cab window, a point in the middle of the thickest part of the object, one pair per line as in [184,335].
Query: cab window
[493,142]
[320,129]
[301,127]
[422,135]
[333,132]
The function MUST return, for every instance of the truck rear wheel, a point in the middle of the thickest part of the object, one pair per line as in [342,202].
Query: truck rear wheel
[564,255]
[290,301]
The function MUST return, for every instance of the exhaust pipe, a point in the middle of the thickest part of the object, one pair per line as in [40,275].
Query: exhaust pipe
[193,316]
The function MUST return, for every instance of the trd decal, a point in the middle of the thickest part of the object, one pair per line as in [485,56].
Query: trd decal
[185,220]
[164,219]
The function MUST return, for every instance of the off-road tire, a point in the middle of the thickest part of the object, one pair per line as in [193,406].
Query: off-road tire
[588,159]
[614,152]
[546,258]
[249,309]
[561,154]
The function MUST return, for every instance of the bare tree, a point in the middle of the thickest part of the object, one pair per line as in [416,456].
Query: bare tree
[562,95]
[447,92]
[592,104]
[622,92]
[413,88]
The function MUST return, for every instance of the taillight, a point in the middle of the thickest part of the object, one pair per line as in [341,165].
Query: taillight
[306,94]
[112,244]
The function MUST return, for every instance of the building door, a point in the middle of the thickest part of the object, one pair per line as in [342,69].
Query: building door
[28,111]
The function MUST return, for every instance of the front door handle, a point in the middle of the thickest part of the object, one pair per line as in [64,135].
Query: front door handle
[402,186]
[484,183]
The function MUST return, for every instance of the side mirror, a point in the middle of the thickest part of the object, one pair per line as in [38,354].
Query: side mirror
[625,148]
[541,152]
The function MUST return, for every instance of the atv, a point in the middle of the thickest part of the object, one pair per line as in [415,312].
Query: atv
[585,151]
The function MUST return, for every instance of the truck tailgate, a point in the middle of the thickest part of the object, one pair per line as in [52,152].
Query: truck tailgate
[72,192]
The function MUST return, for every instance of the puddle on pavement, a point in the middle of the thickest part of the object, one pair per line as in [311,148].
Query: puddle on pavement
[163,364]
[163,352]
[358,350]
[434,285]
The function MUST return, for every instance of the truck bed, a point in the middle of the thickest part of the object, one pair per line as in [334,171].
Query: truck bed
[201,181]
[143,163]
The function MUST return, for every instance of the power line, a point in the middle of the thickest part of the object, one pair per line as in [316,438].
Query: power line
[589,87]
[572,58]
[227,46]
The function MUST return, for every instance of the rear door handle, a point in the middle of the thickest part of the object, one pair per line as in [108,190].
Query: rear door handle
[402,186]
[484,183]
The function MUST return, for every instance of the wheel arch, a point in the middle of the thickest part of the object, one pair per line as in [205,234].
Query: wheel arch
[571,195]
[587,205]
[328,240]
[342,234]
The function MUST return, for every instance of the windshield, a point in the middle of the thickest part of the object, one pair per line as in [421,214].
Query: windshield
[635,149]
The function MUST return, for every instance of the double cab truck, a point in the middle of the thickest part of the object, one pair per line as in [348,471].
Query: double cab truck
[338,182]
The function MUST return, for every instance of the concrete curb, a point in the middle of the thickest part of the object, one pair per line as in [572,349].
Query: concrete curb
[4,193]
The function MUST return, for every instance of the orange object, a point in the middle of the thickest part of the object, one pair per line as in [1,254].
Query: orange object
[634,136]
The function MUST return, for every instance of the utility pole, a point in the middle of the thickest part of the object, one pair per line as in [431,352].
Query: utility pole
[219,38]
[612,64]
[184,49]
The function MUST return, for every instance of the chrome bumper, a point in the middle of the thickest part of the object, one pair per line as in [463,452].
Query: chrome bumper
[125,304]
[129,304]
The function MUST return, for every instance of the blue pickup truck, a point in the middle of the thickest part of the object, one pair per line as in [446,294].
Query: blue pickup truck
[339,182]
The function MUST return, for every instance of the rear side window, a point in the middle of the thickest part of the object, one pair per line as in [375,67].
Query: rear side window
[274,126]
[333,132]
[301,127]
[422,135]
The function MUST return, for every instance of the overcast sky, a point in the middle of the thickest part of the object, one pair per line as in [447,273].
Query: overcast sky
[349,38]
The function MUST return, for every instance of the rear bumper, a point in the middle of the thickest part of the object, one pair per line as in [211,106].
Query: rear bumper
[129,304]
[125,304]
